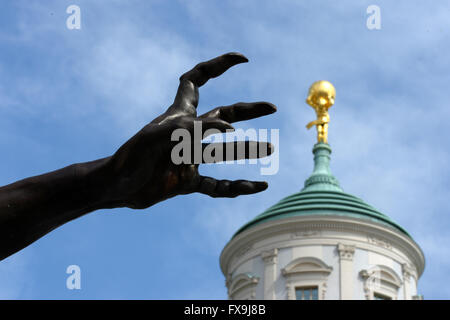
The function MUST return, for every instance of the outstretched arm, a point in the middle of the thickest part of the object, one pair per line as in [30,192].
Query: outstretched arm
[139,174]
[32,207]
[312,123]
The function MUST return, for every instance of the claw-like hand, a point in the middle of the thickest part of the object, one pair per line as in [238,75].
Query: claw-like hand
[140,174]
[143,171]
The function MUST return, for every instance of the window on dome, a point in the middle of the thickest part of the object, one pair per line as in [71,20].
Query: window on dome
[307,293]
[378,296]
[381,283]
[242,286]
[306,278]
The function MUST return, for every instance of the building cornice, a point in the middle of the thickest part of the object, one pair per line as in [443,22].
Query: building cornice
[322,230]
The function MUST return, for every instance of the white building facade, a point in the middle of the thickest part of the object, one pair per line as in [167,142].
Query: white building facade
[321,244]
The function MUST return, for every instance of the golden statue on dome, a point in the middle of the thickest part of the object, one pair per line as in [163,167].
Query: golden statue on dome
[321,97]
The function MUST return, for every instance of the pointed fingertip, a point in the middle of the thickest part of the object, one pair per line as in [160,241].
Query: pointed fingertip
[237,57]
[267,146]
[244,59]
[271,107]
[270,148]
[261,185]
[267,107]
[250,187]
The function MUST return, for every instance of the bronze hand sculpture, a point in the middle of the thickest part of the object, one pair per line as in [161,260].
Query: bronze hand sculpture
[138,175]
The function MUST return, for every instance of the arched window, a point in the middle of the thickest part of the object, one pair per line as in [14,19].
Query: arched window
[242,287]
[306,278]
[380,283]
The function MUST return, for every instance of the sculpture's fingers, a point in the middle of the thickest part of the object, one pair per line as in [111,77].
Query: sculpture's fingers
[229,189]
[187,94]
[186,98]
[241,111]
[197,128]
[213,68]
[237,150]
[214,126]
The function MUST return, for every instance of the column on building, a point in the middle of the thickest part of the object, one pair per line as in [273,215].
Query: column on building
[270,272]
[346,253]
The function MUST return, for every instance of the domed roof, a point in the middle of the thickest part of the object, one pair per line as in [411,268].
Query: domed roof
[322,195]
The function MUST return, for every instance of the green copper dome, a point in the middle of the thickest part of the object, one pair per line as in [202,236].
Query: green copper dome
[322,195]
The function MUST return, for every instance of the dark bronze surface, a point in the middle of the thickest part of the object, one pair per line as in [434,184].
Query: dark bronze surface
[138,175]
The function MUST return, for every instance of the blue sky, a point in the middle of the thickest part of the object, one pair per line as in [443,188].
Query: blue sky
[70,96]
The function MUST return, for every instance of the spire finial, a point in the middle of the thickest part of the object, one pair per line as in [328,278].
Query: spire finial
[321,97]
[322,179]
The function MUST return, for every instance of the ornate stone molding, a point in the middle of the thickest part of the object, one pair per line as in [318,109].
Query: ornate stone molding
[369,277]
[244,250]
[290,291]
[306,271]
[270,272]
[321,178]
[270,256]
[243,285]
[379,242]
[305,233]
[397,245]
[228,279]
[346,252]
[381,279]
[324,289]
[407,271]
[292,284]
[306,265]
